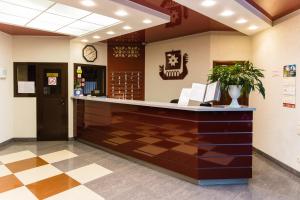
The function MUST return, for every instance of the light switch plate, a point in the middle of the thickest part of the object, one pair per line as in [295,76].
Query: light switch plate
[3,73]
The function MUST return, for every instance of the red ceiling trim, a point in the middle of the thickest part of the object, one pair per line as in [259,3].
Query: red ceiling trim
[149,5]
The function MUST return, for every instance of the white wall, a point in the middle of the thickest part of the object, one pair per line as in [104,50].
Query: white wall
[6,91]
[46,49]
[202,49]
[275,127]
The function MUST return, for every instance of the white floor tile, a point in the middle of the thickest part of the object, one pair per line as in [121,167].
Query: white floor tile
[58,156]
[17,194]
[13,157]
[77,193]
[88,173]
[4,171]
[36,174]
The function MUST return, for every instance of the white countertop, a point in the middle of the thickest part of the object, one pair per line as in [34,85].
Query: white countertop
[164,105]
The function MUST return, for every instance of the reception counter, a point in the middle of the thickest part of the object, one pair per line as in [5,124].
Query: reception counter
[205,145]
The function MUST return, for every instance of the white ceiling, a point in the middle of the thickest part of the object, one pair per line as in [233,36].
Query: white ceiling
[72,17]
[237,14]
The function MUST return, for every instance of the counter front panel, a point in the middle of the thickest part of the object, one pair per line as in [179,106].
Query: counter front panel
[200,145]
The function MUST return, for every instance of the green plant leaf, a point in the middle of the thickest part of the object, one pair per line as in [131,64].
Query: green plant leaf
[242,73]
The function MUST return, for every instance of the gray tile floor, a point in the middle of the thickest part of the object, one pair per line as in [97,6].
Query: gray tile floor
[133,181]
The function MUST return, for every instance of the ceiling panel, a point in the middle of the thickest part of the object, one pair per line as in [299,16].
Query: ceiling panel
[17,30]
[33,4]
[275,9]
[234,13]
[184,21]
[103,20]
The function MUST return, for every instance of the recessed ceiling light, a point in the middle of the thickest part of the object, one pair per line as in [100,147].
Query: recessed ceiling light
[241,21]
[96,37]
[88,3]
[84,40]
[208,3]
[227,13]
[121,13]
[127,27]
[110,33]
[253,27]
[147,21]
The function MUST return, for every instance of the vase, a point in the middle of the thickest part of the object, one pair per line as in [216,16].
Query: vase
[234,92]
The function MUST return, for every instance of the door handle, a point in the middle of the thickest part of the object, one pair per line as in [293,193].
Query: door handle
[62,102]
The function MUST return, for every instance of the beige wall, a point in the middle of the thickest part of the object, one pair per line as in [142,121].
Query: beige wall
[34,49]
[6,92]
[197,47]
[277,129]
[202,50]
[46,49]
[226,46]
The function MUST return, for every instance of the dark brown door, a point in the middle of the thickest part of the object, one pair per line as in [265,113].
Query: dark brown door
[52,101]
[225,98]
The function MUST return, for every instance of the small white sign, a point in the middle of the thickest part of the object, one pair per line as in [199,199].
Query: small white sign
[26,87]
[289,86]
[52,81]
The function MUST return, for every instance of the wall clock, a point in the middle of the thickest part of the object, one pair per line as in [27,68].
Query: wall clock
[89,53]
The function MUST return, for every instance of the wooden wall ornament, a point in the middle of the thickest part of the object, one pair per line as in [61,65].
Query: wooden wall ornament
[126,51]
[177,12]
[89,53]
[176,66]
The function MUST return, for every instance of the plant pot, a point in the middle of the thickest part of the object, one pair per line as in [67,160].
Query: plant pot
[234,92]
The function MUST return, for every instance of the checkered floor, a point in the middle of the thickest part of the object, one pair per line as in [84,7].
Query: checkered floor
[26,176]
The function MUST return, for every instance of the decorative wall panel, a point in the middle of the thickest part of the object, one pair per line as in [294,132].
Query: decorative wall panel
[126,84]
[126,67]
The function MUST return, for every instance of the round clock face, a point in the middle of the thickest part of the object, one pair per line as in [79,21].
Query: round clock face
[89,53]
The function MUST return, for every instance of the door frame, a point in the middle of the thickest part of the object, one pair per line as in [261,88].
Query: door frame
[64,67]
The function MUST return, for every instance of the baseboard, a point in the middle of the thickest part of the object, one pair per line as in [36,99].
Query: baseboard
[279,163]
[6,142]
[24,139]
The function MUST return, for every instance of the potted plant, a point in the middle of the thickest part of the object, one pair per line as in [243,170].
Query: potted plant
[237,79]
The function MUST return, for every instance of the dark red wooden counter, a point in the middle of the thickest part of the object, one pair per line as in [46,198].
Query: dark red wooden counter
[209,147]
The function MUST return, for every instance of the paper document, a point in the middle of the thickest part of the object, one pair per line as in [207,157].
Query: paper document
[201,93]
[198,92]
[213,92]
[26,87]
[185,96]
